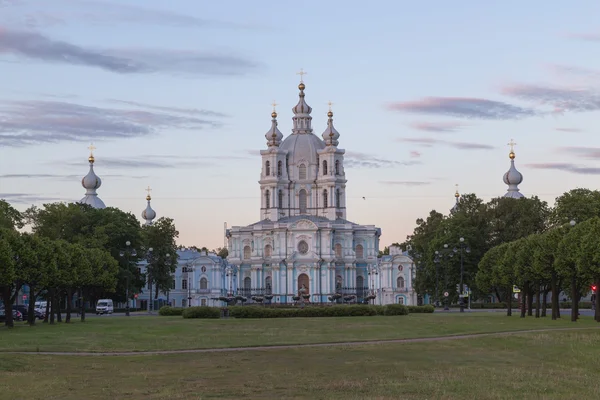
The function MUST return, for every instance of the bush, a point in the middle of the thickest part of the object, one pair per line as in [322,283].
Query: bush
[395,309]
[168,311]
[310,311]
[421,309]
[201,312]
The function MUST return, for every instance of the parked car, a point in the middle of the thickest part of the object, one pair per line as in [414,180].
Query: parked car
[17,316]
[23,309]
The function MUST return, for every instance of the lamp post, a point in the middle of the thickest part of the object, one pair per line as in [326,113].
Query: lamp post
[231,274]
[464,246]
[127,253]
[189,268]
[439,257]
[148,262]
[372,271]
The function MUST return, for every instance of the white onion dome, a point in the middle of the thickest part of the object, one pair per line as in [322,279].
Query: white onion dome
[148,214]
[302,118]
[91,182]
[331,135]
[274,135]
[513,179]
[457,197]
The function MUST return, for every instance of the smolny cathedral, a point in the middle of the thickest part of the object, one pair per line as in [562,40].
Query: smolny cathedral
[303,245]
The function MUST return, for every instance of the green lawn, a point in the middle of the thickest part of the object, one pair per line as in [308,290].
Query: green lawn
[557,365]
[171,333]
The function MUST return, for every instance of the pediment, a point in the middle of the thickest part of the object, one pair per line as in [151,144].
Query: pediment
[304,224]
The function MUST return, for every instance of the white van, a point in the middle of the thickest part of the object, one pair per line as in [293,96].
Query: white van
[104,306]
[40,306]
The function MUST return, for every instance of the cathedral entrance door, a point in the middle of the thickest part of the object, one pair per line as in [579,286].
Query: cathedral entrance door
[304,287]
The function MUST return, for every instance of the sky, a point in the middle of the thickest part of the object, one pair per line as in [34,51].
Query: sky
[177,96]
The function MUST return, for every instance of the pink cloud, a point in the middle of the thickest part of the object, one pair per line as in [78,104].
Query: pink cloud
[464,107]
[415,154]
[448,126]
[570,130]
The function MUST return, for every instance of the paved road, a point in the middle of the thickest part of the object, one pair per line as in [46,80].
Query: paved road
[293,346]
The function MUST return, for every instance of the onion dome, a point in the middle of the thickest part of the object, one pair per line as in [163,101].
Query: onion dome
[457,197]
[302,118]
[512,177]
[274,135]
[148,214]
[91,182]
[331,135]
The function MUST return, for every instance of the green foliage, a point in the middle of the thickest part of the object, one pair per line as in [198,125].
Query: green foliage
[421,309]
[168,311]
[577,204]
[10,218]
[161,236]
[313,312]
[395,309]
[8,271]
[201,312]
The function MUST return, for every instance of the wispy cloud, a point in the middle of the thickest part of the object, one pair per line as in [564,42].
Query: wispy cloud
[29,198]
[35,46]
[180,110]
[362,160]
[105,13]
[464,107]
[405,183]
[582,152]
[569,130]
[566,167]
[33,122]
[66,177]
[414,154]
[140,162]
[430,142]
[449,126]
[570,71]
[561,99]
[590,37]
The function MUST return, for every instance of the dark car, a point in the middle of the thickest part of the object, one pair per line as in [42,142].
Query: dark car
[17,316]
[23,309]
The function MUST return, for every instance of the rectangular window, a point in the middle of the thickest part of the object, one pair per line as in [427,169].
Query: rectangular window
[184,284]
[183,302]
[149,284]
[203,302]
[173,284]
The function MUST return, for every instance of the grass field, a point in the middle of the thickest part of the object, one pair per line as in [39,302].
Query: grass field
[555,365]
[169,333]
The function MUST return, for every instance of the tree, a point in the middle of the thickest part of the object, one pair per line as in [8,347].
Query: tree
[577,204]
[38,263]
[588,258]
[545,260]
[8,272]
[511,219]
[491,274]
[10,218]
[162,262]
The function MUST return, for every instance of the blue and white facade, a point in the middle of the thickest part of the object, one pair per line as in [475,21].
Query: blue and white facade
[397,276]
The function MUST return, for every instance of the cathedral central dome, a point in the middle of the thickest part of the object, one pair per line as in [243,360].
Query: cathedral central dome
[302,147]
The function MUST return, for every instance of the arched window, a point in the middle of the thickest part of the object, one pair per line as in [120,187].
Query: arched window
[325,198]
[337,167]
[324,167]
[338,250]
[247,283]
[302,171]
[267,199]
[268,250]
[268,168]
[400,282]
[302,201]
[279,168]
[247,252]
[359,251]
[203,283]
[360,282]
[337,198]
[304,283]
[400,300]
[280,199]
[339,281]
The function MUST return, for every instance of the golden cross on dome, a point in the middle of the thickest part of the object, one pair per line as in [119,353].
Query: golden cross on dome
[92,148]
[301,73]
[148,190]
[274,105]
[456,187]
[512,145]
[330,104]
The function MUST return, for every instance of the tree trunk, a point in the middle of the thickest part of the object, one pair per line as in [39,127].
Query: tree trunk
[554,299]
[523,300]
[508,305]
[6,298]
[500,300]
[597,312]
[31,307]
[58,307]
[545,301]
[52,301]
[574,308]
[69,297]
[47,306]
[538,304]
[82,305]
[529,300]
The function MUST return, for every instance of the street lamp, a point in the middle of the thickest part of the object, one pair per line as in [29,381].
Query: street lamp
[373,272]
[231,274]
[439,256]
[148,263]
[189,268]
[127,253]
[464,246]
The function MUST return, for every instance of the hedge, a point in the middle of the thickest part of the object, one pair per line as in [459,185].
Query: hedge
[201,312]
[332,311]
[421,309]
[168,311]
